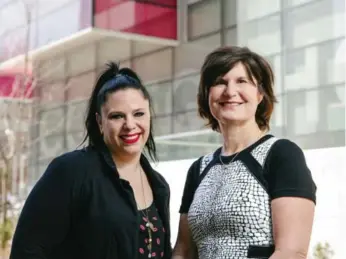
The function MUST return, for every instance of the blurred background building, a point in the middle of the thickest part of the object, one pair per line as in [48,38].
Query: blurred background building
[64,44]
[165,41]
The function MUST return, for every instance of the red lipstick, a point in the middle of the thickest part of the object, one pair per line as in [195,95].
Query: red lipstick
[130,139]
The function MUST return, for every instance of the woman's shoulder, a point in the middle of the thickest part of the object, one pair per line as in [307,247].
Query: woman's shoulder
[73,163]
[283,147]
[272,150]
[199,164]
[288,173]
[75,157]
[285,153]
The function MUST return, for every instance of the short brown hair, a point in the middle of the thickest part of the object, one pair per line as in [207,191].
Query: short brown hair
[222,60]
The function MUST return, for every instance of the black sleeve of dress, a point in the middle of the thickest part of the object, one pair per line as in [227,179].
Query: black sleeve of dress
[289,175]
[190,187]
[46,216]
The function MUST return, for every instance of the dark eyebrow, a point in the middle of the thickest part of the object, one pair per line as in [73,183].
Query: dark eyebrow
[219,79]
[121,113]
[111,113]
[251,80]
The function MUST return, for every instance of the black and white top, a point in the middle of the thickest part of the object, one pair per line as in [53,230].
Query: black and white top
[229,206]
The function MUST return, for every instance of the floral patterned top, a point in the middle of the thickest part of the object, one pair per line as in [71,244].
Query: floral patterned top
[157,234]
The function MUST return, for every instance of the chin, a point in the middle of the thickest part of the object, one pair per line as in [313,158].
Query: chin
[230,117]
[232,120]
[132,150]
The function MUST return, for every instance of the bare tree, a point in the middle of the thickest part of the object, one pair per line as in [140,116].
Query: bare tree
[12,140]
[323,251]
[13,135]
[17,116]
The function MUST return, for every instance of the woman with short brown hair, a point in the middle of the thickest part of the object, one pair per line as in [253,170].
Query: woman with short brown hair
[254,197]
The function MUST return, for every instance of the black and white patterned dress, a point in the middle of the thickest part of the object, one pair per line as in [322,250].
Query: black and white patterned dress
[229,211]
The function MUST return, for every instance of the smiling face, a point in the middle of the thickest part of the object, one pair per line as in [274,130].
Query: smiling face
[234,97]
[124,122]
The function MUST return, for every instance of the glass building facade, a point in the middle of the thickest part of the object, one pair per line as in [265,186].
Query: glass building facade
[304,40]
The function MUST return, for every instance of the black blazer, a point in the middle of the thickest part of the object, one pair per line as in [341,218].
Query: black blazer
[80,208]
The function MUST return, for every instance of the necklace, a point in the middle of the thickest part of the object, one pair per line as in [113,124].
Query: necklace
[149,226]
[223,164]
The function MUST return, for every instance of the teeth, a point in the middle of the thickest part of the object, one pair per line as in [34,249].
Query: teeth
[232,104]
[130,137]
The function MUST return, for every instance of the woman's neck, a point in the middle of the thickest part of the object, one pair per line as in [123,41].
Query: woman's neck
[239,137]
[127,165]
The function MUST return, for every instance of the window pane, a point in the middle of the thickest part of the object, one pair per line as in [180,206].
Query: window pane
[47,24]
[75,116]
[162,126]
[336,111]
[318,21]
[247,10]
[74,140]
[332,62]
[81,59]
[169,152]
[34,150]
[292,3]
[45,7]
[263,36]
[52,69]
[52,94]
[188,146]
[154,67]
[275,62]
[161,95]
[320,140]
[230,12]
[80,87]
[185,94]
[315,66]
[315,111]
[231,37]
[193,1]
[189,57]
[3,2]
[125,63]
[203,18]
[14,114]
[277,121]
[142,47]
[189,121]
[51,146]
[12,16]
[52,121]
[112,50]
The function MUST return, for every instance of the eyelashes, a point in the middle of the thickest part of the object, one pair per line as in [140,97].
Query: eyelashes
[117,116]
[225,82]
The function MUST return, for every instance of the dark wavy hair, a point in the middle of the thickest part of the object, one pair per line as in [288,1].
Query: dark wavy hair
[222,60]
[111,80]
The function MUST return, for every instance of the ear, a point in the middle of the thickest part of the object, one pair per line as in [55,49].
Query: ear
[99,121]
[260,98]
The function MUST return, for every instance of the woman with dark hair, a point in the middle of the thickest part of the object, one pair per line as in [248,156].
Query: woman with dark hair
[104,201]
[254,197]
